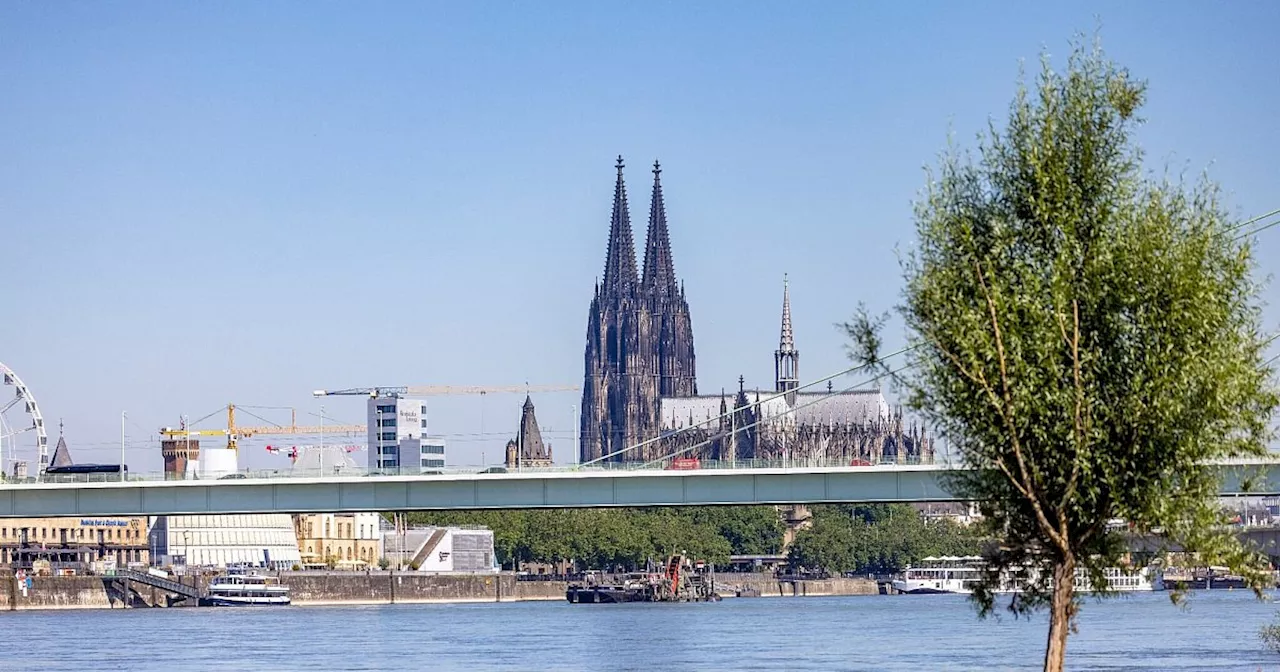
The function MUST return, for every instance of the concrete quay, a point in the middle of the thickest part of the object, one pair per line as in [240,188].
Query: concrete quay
[377,587]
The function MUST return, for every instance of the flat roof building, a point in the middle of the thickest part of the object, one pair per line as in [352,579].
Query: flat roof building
[398,440]
[258,540]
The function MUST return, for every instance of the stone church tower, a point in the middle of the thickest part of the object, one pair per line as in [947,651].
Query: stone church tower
[639,337]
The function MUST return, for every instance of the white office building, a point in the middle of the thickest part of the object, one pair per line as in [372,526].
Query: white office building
[398,440]
[258,540]
[440,549]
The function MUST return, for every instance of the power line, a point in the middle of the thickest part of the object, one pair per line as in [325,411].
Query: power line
[1256,231]
[1247,222]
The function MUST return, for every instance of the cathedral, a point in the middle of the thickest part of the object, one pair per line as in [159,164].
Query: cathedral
[640,398]
[639,337]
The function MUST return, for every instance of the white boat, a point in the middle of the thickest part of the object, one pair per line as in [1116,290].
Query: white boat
[245,590]
[947,574]
[960,575]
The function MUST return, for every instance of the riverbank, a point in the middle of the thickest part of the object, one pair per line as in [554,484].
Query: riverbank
[361,588]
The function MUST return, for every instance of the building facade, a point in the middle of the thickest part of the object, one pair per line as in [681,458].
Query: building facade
[73,544]
[257,540]
[440,549]
[398,441]
[640,398]
[639,337]
[787,424]
[528,449]
[339,540]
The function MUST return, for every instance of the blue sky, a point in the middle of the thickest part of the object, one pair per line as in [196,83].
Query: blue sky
[204,203]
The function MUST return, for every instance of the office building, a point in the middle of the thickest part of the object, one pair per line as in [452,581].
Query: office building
[398,440]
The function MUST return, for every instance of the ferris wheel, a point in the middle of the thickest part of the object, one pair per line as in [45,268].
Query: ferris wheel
[20,419]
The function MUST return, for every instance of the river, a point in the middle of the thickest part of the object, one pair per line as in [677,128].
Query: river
[1216,631]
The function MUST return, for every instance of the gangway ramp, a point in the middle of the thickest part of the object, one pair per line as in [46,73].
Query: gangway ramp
[168,585]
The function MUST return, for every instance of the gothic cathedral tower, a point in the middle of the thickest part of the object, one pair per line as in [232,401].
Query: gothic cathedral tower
[639,338]
[786,359]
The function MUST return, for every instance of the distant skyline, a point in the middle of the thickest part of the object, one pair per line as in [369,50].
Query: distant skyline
[211,203]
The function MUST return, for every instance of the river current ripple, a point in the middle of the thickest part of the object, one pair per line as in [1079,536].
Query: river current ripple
[1216,631]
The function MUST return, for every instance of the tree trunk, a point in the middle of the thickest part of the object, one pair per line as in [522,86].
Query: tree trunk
[1062,609]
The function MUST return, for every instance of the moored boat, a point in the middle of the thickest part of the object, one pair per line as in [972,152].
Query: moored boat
[245,590]
[679,581]
[960,575]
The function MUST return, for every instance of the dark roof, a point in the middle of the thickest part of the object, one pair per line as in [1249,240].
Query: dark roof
[61,456]
[530,439]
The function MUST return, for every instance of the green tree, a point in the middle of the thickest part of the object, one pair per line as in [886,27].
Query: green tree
[876,539]
[1085,336]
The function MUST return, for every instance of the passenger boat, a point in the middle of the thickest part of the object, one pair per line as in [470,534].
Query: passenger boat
[245,590]
[961,575]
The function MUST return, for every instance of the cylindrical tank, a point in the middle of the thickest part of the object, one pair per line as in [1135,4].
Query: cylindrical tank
[216,463]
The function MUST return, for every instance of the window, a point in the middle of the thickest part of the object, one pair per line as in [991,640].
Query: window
[432,463]
[386,409]
[424,423]
[389,422]
[428,449]
[388,436]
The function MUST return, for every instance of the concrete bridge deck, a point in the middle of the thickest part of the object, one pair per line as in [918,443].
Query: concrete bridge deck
[550,488]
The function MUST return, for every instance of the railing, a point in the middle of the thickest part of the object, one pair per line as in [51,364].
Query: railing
[158,582]
[490,471]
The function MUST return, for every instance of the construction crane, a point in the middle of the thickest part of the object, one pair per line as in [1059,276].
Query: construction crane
[234,433]
[442,390]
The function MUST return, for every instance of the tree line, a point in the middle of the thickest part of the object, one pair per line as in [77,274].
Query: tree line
[864,539]
[877,539]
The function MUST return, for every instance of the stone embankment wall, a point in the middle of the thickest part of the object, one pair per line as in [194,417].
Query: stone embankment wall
[321,588]
[55,592]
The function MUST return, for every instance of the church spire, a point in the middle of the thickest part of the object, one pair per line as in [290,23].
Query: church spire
[786,360]
[788,342]
[620,261]
[659,267]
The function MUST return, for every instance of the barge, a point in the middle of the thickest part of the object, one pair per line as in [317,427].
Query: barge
[679,581]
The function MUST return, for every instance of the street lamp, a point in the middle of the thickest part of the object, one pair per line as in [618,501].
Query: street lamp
[123,416]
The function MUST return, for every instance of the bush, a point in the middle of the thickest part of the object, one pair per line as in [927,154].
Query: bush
[383,563]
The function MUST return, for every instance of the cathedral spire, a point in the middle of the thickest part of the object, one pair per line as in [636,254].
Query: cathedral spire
[620,261]
[659,267]
[788,342]
[786,360]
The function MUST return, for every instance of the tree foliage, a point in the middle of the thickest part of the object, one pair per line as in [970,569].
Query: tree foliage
[1087,337]
[607,538]
[876,539]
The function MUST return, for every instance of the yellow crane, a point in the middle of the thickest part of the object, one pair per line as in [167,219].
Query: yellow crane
[234,433]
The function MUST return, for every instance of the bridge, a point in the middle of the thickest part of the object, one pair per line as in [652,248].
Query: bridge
[557,487]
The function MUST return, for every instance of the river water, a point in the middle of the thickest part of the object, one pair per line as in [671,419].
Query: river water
[1216,631]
